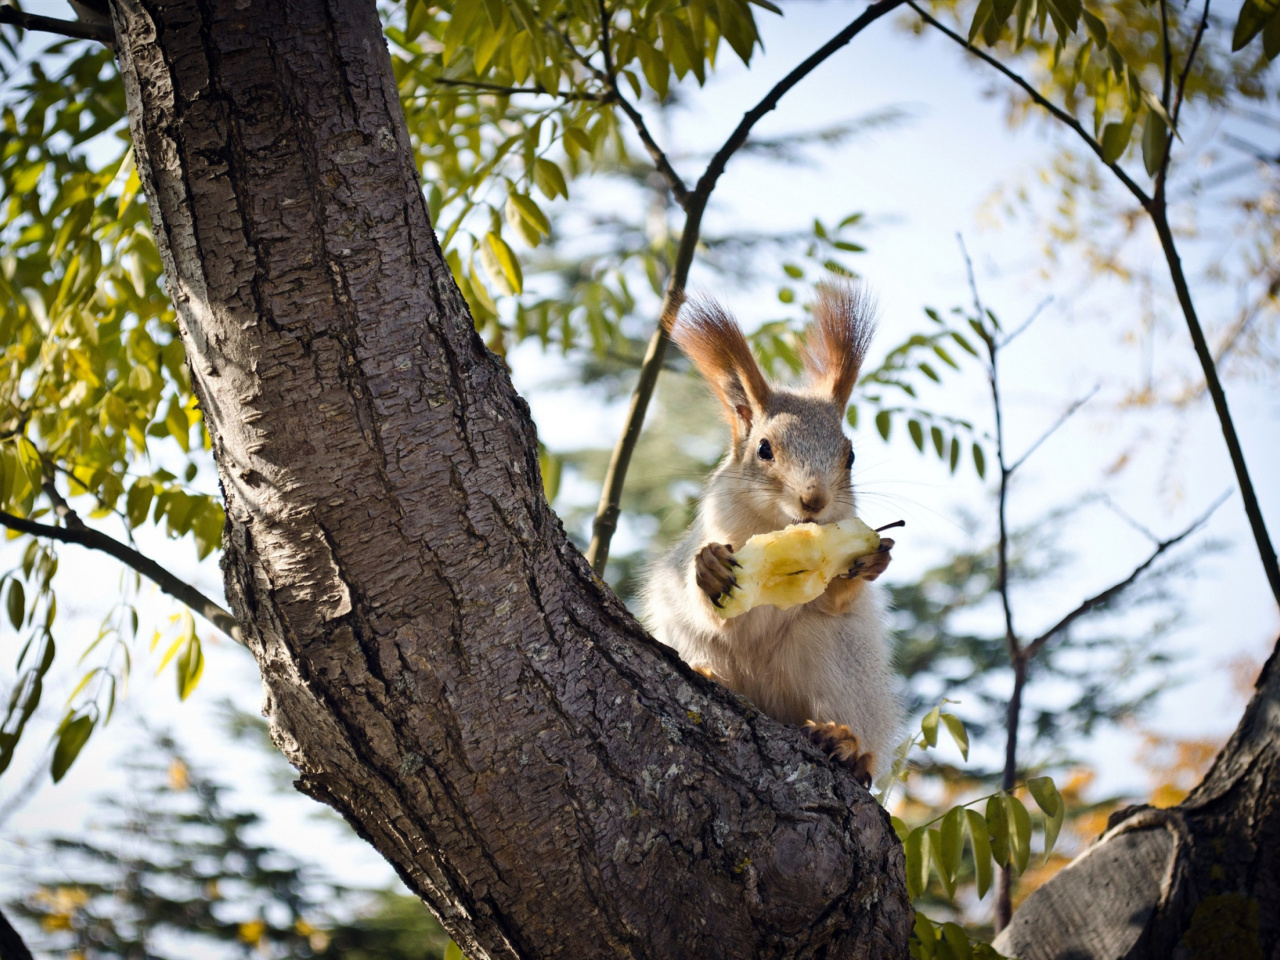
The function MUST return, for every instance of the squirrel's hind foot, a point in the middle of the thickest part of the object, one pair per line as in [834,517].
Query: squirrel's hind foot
[841,744]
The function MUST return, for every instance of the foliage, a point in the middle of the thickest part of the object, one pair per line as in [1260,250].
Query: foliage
[172,870]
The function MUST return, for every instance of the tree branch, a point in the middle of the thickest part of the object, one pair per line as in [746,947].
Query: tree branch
[694,203]
[162,578]
[1163,172]
[1067,414]
[1109,594]
[1035,95]
[67,28]
[500,90]
[706,183]
[11,945]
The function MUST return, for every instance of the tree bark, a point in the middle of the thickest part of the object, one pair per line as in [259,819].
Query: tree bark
[438,661]
[1198,882]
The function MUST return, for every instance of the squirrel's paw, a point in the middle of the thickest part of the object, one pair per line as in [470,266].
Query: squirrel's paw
[713,571]
[872,565]
[841,744]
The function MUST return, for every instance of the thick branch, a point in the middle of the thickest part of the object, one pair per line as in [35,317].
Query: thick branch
[695,203]
[162,578]
[1113,591]
[67,28]
[12,946]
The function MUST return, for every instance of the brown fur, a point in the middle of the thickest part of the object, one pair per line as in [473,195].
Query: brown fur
[714,342]
[844,320]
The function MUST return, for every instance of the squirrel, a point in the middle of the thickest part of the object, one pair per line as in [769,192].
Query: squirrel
[824,664]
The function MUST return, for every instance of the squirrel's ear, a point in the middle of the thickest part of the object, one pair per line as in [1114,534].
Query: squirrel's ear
[843,322]
[714,342]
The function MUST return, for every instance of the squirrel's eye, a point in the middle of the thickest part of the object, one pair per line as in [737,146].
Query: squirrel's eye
[765,450]
[849,465]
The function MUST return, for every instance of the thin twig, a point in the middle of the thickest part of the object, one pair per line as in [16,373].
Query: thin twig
[1035,95]
[166,581]
[1067,414]
[1109,594]
[1040,307]
[503,91]
[1129,519]
[75,29]
[1163,172]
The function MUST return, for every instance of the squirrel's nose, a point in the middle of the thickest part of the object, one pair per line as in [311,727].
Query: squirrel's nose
[812,501]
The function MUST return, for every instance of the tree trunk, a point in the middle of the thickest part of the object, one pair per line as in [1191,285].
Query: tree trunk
[1198,882]
[439,663]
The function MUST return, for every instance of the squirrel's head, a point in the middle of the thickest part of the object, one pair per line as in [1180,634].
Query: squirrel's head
[789,459]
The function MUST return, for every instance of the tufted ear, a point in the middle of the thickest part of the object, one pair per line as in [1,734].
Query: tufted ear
[843,322]
[714,342]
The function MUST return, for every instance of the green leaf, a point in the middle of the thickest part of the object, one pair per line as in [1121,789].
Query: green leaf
[1115,140]
[957,940]
[958,733]
[1097,29]
[1050,802]
[980,839]
[951,848]
[551,467]
[979,461]
[1255,16]
[929,726]
[500,263]
[1154,141]
[935,857]
[138,501]
[1271,38]
[916,850]
[453,952]
[998,828]
[917,434]
[900,828]
[882,424]
[927,936]
[929,372]
[1019,833]
[939,442]
[72,735]
[190,666]
[792,271]
[17,603]
[955,453]
[549,179]
[531,212]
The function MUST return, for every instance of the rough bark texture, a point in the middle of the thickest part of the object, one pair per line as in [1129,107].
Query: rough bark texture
[1199,882]
[439,662]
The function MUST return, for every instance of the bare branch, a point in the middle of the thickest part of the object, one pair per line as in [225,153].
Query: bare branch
[1163,172]
[656,154]
[1113,591]
[1035,95]
[739,136]
[162,578]
[1066,415]
[67,28]
[500,90]
[1026,323]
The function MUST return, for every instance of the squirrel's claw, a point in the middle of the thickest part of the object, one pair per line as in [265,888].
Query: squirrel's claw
[713,572]
[872,565]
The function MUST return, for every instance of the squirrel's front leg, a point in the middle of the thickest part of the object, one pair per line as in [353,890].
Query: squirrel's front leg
[713,571]
[845,588]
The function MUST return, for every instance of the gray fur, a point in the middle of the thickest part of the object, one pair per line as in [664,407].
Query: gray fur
[798,664]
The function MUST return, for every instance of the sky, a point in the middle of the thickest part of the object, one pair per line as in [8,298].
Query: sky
[921,183]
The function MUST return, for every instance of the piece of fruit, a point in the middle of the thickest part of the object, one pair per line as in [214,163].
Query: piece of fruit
[794,565]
